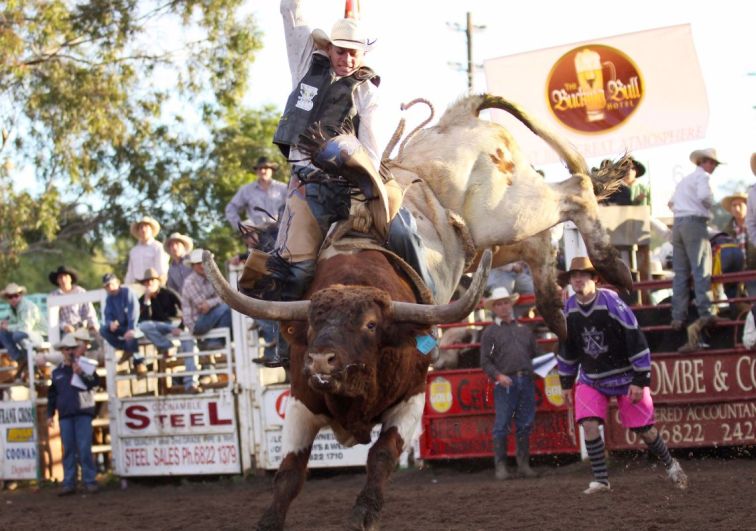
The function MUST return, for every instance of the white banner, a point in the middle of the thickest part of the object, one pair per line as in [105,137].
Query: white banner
[18,443]
[607,95]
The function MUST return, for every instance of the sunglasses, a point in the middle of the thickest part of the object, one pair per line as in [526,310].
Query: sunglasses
[14,296]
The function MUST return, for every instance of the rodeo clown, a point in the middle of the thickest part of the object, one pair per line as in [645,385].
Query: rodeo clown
[608,353]
[334,92]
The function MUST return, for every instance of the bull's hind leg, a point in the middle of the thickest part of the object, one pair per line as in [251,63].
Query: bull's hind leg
[399,425]
[300,428]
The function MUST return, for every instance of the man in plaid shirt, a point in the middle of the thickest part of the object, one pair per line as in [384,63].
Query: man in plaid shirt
[201,306]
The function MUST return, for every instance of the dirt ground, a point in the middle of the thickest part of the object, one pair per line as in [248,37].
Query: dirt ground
[446,496]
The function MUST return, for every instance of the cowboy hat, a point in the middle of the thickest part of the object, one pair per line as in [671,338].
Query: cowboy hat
[62,270]
[82,334]
[658,271]
[68,341]
[753,163]
[13,289]
[195,257]
[640,169]
[149,221]
[149,274]
[709,153]
[345,33]
[498,294]
[186,240]
[578,263]
[727,201]
[264,162]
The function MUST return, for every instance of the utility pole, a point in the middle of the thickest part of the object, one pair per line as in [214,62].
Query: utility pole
[471,66]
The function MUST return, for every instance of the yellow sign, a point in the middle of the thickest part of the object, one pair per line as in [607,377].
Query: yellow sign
[440,395]
[20,435]
[553,389]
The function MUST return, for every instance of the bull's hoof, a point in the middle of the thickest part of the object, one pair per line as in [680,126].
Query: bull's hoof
[270,521]
[362,518]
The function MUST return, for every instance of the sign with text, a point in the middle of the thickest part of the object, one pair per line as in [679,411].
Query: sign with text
[18,441]
[326,450]
[168,436]
[608,95]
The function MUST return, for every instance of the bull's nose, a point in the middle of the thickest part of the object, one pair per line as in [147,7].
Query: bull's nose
[321,362]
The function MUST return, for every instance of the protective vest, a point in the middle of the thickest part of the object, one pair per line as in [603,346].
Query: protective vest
[321,97]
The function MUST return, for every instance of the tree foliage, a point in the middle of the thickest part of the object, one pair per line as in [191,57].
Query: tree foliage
[111,109]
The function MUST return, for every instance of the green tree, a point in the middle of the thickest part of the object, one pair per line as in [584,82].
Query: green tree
[118,108]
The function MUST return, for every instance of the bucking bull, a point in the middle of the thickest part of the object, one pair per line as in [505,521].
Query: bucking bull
[355,358]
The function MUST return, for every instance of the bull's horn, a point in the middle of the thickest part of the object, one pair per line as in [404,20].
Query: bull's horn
[255,308]
[447,313]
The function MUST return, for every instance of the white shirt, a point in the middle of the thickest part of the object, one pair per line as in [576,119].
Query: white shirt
[749,332]
[143,256]
[693,196]
[300,47]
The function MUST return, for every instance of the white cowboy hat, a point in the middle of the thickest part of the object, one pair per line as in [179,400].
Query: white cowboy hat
[498,294]
[13,289]
[149,221]
[68,341]
[345,33]
[708,153]
[82,334]
[186,240]
[727,201]
[658,271]
[195,257]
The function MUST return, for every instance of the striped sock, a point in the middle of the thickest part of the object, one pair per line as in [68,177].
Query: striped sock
[598,461]
[660,450]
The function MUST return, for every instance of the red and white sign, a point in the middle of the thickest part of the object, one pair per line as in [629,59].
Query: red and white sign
[178,436]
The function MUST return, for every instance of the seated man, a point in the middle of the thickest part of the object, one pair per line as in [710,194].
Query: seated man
[23,327]
[202,308]
[120,318]
[160,321]
[72,316]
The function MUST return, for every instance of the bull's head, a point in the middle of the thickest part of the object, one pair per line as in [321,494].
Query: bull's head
[350,327]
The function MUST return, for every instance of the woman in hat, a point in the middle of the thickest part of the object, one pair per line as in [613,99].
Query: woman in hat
[261,201]
[72,316]
[148,252]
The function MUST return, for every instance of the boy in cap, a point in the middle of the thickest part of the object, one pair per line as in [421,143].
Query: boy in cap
[506,352]
[120,319]
[608,355]
[76,408]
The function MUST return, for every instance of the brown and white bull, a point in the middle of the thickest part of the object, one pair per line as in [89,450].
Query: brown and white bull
[354,364]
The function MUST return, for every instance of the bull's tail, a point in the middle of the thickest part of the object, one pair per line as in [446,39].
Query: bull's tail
[605,180]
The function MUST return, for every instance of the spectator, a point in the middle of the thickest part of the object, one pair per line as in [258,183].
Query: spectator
[737,227]
[120,318]
[73,399]
[690,204]
[261,200]
[148,252]
[607,352]
[630,192]
[72,316]
[506,351]
[160,321]
[516,277]
[203,309]
[178,247]
[750,221]
[23,328]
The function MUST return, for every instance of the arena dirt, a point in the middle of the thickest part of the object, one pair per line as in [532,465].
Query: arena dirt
[721,496]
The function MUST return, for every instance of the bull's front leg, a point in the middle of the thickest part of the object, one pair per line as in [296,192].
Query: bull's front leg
[579,205]
[299,431]
[399,426]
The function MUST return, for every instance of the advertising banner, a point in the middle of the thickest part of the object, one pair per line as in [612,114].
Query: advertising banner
[606,95]
[18,441]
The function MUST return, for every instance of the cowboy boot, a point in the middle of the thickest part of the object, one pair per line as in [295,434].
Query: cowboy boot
[523,458]
[500,458]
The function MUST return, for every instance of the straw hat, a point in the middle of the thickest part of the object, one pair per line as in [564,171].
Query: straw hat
[53,276]
[149,274]
[186,240]
[82,334]
[727,201]
[13,289]
[579,263]
[149,221]
[68,341]
[708,153]
[345,33]
[498,294]
[194,258]
[657,270]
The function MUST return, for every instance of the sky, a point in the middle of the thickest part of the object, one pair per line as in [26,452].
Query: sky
[415,45]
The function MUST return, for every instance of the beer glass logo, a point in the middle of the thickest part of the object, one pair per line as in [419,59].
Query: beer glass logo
[594,88]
